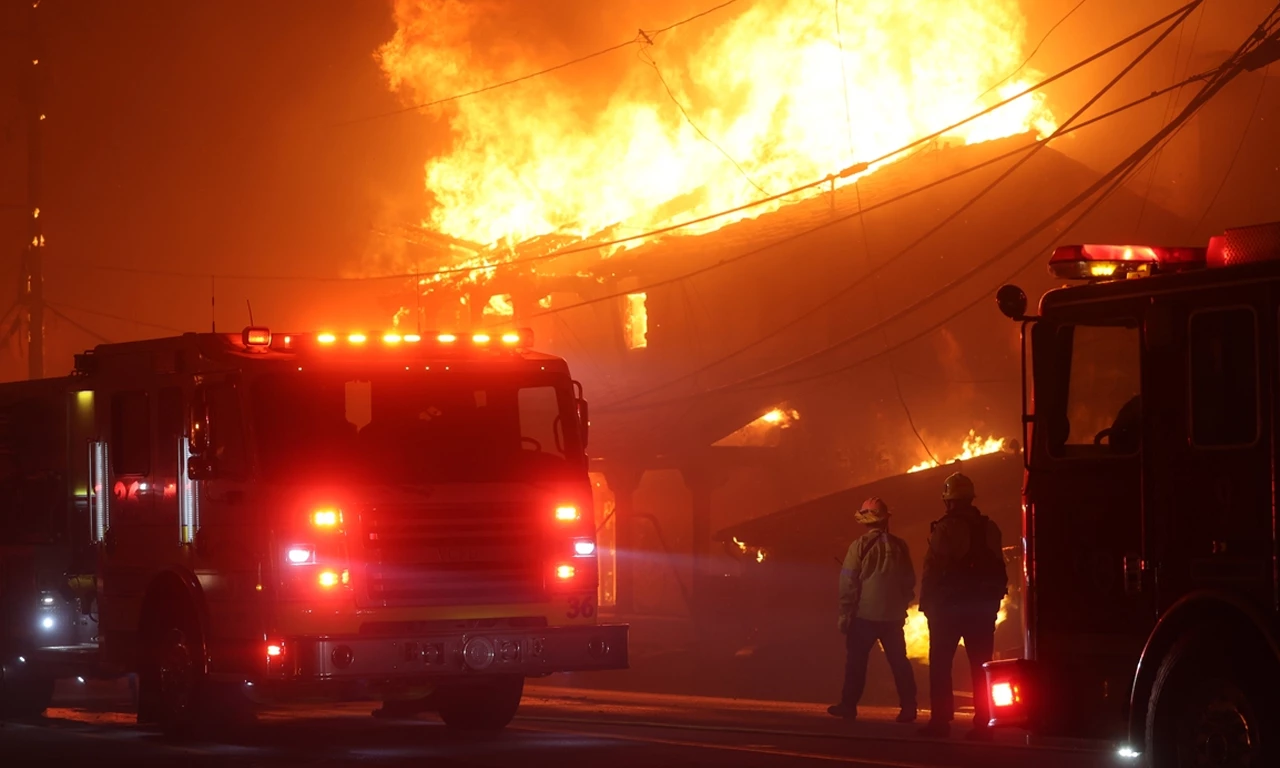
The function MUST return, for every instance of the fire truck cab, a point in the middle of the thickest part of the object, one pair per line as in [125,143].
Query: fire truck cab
[265,517]
[1150,503]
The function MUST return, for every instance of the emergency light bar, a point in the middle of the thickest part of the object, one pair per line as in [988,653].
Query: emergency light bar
[1117,262]
[262,338]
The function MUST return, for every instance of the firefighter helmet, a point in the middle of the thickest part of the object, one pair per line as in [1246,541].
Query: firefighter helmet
[958,487]
[873,510]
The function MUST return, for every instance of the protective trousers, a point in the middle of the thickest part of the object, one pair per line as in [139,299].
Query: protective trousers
[978,630]
[861,638]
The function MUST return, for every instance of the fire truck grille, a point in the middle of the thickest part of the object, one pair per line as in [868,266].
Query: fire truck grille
[451,555]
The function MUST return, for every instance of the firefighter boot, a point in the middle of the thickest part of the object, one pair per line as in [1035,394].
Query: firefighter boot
[843,711]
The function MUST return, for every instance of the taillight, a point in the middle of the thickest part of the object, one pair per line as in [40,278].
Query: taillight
[1009,681]
[1005,695]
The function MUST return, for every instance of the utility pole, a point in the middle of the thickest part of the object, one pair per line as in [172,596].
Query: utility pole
[31,289]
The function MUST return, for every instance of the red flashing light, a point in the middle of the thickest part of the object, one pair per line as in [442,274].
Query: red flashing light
[256,337]
[275,650]
[1104,262]
[565,572]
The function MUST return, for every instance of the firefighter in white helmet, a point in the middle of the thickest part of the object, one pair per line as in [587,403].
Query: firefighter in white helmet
[963,582]
[877,584]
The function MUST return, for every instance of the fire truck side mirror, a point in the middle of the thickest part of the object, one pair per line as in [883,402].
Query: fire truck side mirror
[1012,302]
[200,467]
[584,420]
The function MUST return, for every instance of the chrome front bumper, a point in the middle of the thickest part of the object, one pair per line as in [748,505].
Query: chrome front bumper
[527,652]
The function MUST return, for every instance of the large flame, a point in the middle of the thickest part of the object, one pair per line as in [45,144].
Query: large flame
[972,447]
[605,145]
[916,631]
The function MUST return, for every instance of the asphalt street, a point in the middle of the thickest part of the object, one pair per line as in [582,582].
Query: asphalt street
[92,725]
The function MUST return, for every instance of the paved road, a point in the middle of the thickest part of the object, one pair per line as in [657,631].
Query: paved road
[556,726]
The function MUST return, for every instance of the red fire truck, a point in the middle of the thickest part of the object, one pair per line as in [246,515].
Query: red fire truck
[265,517]
[1150,503]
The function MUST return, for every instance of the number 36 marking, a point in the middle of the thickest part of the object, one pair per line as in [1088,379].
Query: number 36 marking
[581,606]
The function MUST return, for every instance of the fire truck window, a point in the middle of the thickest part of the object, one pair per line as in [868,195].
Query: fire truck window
[1102,406]
[423,428]
[1224,378]
[540,425]
[226,429]
[131,433]
[169,414]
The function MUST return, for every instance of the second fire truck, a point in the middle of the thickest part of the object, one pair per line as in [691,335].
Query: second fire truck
[1150,522]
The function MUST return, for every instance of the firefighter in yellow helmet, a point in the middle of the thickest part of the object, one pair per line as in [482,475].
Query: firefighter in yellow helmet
[877,583]
[963,583]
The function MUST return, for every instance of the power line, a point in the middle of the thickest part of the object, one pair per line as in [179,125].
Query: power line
[1035,50]
[844,81]
[54,309]
[876,270]
[857,168]
[1235,156]
[121,318]
[1113,179]
[833,222]
[640,38]
[648,59]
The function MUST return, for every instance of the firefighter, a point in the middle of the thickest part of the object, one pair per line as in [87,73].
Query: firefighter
[877,584]
[963,583]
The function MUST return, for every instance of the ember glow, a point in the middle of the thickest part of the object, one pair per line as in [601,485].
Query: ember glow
[973,447]
[604,145]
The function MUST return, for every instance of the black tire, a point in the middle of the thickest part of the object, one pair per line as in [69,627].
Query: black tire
[1214,703]
[483,704]
[174,691]
[23,694]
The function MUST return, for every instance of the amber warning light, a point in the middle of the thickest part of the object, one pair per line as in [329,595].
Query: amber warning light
[510,339]
[257,337]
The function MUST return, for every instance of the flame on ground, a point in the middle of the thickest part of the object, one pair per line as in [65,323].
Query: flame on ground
[605,145]
[972,447]
[916,631]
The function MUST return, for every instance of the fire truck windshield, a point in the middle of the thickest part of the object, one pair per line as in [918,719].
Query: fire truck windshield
[399,427]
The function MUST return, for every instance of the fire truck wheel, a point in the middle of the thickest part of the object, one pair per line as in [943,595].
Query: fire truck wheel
[485,704]
[173,689]
[22,694]
[1213,704]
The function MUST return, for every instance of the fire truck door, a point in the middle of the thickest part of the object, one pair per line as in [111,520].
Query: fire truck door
[133,536]
[1086,491]
[1208,475]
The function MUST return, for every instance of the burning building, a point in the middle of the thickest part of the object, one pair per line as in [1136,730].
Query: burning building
[789,350]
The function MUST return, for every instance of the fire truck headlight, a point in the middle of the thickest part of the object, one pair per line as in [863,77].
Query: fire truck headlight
[47,622]
[1128,753]
[584,547]
[300,555]
[47,600]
